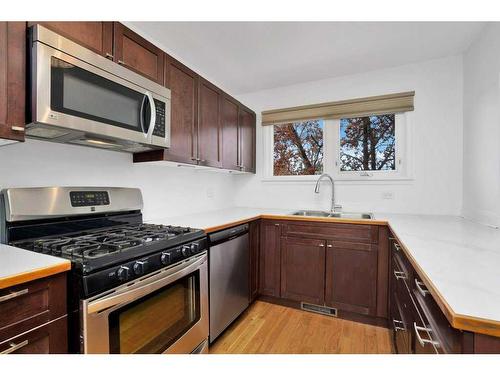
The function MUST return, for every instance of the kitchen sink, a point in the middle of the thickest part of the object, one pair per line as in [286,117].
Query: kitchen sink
[340,215]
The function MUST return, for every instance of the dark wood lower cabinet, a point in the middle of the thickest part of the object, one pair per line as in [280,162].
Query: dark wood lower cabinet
[254,233]
[33,317]
[303,269]
[269,270]
[51,338]
[351,277]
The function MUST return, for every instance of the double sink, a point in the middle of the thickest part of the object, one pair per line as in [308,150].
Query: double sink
[340,215]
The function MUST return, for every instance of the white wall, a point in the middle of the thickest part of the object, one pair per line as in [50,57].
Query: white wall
[167,191]
[481,198]
[437,141]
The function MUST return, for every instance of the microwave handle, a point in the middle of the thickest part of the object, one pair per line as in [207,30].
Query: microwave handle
[152,119]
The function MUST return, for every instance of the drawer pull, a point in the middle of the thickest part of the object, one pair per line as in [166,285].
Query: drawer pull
[329,245]
[13,295]
[109,56]
[398,325]
[321,245]
[399,275]
[17,129]
[121,62]
[420,339]
[277,225]
[14,347]
[421,288]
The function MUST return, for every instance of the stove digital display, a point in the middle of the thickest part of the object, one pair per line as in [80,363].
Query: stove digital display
[89,198]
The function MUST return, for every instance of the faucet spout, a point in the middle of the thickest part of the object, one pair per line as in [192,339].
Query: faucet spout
[333,206]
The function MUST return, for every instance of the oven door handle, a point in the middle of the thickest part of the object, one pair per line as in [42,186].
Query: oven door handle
[169,276]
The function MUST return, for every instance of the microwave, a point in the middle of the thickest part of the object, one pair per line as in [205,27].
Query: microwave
[80,97]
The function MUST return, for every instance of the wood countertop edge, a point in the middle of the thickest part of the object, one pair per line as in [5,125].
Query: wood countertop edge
[296,218]
[458,321]
[34,274]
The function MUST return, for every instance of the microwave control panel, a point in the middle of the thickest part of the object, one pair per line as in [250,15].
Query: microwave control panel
[89,198]
[159,129]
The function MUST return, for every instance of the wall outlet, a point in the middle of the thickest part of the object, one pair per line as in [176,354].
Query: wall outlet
[210,193]
[387,195]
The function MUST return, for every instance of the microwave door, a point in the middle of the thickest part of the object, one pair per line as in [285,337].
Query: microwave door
[148,116]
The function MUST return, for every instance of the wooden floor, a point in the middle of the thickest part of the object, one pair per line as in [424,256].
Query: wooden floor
[268,328]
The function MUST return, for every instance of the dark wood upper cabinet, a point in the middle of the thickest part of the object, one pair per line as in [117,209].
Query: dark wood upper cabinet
[94,35]
[247,140]
[269,270]
[209,133]
[137,54]
[303,269]
[351,276]
[183,84]
[230,139]
[254,231]
[12,80]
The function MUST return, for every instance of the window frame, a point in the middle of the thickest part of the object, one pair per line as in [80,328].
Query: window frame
[331,156]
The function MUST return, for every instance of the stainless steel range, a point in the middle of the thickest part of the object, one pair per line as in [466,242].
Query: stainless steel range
[134,287]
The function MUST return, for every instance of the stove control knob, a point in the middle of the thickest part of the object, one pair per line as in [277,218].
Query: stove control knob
[139,267]
[165,258]
[123,273]
[186,250]
[195,248]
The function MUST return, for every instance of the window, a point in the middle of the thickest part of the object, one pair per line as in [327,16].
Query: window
[364,148]
[298,148]
[368,143]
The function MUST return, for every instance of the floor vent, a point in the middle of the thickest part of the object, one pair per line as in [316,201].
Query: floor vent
[325,310]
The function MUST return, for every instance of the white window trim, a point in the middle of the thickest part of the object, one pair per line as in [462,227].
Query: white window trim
[331,154]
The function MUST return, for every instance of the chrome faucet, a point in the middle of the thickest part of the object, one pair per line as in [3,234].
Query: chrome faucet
[334,207]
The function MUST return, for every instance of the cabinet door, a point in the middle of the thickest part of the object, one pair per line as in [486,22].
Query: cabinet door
[254,231]
[269,270]
[12,80]
[303,269]
[96,36]
[230,144]
[51,338]
[351,276]
[137,54]
[183,85]
[247,140]
[209,132]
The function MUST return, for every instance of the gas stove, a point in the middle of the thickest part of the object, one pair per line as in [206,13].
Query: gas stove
[100,230]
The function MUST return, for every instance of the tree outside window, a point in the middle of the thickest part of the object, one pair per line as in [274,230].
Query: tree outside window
[298,148]
[368,143]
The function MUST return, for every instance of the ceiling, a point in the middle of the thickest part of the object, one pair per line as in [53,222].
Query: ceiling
[245,57]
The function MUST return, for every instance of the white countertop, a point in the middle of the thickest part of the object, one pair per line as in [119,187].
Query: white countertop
[461,258]
[18,265]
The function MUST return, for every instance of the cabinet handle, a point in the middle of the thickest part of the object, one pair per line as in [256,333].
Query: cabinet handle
[420,288]
[17,129]
[14,347]
[121,62]
[13,295]
[277,225]
[420,339]
[321,245]
[397,325]
[329,245]
[397,247]
[399,275]
[109,56]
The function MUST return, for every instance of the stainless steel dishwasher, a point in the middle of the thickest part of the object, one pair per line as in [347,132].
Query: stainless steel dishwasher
[228,274]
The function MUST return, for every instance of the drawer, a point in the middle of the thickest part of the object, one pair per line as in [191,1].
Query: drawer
[29,305]
[330,231]
[449,338]
[46,339]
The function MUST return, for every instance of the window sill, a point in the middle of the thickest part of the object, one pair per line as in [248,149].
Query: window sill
[340,180]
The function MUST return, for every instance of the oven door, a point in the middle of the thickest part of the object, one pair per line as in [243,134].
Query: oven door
[166,312]
[72,97]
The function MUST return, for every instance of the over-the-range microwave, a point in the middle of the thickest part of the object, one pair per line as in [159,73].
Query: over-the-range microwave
[80,97]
